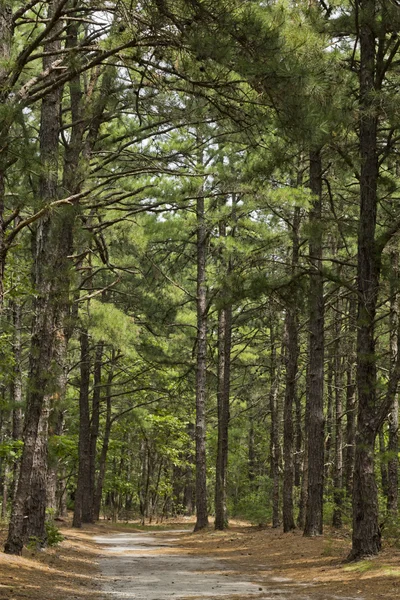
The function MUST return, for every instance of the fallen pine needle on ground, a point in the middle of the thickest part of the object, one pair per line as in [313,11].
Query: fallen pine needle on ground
[268,557]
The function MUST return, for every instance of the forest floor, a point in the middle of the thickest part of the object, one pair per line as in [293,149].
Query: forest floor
[126,561]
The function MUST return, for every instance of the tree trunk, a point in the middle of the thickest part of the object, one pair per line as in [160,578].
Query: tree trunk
[366,539]
[224,350]
[36,505]
[315,398]
[16,387]
[50,278]
[338,460]
[329,416]
[104,450]
[393,417]
[223,397]
[382,461]
[351,404]
[94,427]
[299,455]
[201,371]
[82,509]
[292,359]
[6,36]
[275,450]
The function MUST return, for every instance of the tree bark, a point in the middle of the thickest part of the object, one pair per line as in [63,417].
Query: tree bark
[201,370]
[366,539]
[16,387]
[6,36]
[223,398]
[338,460]
[393,417]
[351,403]
[275,449]
[224,359]
[82,509]
[315,398]
[104,450]
[292,358]
[49,278]
[94,427]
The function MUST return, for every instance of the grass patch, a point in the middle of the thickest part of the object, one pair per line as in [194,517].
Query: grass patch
[363,566]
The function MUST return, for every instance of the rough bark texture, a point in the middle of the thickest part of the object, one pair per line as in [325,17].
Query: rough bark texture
[223,398]
[49,279]
[366,538]
[34,526]
[201,370]
[292,359]
[223,394]
[393,417]
[314,412]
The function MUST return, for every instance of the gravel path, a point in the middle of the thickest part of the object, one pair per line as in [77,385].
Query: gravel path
[148,566]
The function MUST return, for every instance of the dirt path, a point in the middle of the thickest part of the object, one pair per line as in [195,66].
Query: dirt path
[156,566]
[144,566]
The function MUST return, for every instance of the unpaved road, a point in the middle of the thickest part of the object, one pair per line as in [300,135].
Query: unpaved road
[148,566]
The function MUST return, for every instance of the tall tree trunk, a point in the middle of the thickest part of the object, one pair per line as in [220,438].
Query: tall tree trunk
[104,450]
[223,398]
[366,539]
[49,278]
[275,450]
[299,454]
[315,398]
[94,426]
[329,416]
[6,36]
[338,460]
[36,505]
[351,404]
[201,370]
[393,417]
[292,358]
[16,387]
[82,509]
[383,460]
[224,359]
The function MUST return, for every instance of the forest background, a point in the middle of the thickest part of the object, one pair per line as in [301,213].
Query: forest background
[199,263]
